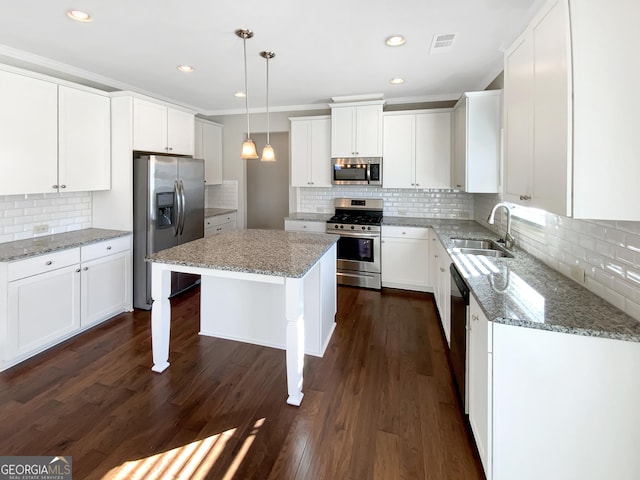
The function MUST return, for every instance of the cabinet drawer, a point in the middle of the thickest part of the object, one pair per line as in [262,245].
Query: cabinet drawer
[210,222]
[405,232]
[42,263]
[305,226]
[107,247]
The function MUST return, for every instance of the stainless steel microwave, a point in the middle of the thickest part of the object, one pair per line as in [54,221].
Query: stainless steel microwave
[357,171]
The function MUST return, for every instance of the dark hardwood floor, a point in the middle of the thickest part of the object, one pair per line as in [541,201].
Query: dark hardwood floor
[380,404]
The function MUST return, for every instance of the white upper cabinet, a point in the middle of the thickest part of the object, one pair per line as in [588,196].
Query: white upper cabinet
[476,142]
[356,130]
[84,161]
[28,134]
[158,128]
[569,136]
[54,138]
[417,149]
[208,146]
[310,151]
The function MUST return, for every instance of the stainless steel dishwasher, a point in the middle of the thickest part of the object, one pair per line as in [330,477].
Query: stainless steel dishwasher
[459,332]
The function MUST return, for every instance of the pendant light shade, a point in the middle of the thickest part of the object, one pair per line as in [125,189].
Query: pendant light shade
[248,147]
[268,155]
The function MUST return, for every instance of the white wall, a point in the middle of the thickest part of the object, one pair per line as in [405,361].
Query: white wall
[62,212]
[608,251]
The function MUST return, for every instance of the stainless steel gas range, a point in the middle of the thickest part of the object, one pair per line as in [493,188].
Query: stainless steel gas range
[357,221]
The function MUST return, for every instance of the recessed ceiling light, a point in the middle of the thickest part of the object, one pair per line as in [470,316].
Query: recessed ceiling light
[185,68]
[79,16]
[239,94]
[396,81]
[395,40]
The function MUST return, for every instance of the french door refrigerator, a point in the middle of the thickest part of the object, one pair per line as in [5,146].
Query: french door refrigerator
[168,210]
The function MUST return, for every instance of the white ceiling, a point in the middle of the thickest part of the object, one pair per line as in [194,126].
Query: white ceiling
[323,48]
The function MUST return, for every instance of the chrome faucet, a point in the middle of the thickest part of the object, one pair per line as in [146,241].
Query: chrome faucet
[508,238]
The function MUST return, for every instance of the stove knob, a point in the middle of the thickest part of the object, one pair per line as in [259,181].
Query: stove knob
[341,226]
[352,227]
[368,228]
[364,228]
[335,226]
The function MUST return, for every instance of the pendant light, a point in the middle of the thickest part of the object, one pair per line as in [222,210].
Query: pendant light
[268,155]
[248,147]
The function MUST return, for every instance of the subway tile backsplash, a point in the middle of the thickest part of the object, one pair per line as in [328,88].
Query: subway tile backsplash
[607,251]
[222,196]
[59,212]
[426,203]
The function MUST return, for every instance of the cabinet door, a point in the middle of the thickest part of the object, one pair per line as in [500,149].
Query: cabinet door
[180,132]
[300,153]
[320,152]
[369,131]
[84,141]
[28,135]
[399,151]
[479,375]
[208,146]
[518,99]
[459,168]
[552,165]
[149,126]
[343,132]
[41,309]
[405,263]
[433,150]
[106,287]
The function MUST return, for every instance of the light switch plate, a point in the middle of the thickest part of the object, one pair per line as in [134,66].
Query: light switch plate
[39,229]
[577,273]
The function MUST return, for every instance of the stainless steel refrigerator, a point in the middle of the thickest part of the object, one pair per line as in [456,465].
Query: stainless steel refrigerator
[168,210]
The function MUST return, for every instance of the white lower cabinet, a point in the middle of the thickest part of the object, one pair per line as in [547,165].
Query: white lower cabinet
[54,296]
[305,226]
[220,223]
[479,354]
[441,281]
[41,309]
[552,405]
[405,258]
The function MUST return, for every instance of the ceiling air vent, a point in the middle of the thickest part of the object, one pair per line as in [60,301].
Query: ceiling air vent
[442,43]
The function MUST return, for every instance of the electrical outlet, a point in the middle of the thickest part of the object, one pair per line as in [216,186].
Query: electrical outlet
[577,273]
[402,212]
[320,209]
[39,229]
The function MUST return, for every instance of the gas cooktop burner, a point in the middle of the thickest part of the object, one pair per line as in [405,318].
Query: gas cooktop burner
[347,218]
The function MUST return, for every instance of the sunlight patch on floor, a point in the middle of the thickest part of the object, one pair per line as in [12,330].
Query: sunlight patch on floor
[192,461]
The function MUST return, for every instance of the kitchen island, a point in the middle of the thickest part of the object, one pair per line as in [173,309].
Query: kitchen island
[267,287]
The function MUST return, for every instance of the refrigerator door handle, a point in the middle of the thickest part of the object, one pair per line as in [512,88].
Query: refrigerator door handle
[178,201]
[183,202]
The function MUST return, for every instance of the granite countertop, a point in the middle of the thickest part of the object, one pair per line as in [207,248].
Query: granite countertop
[309,217]
[266,252]
[32,247]
[214,212]
[523,291]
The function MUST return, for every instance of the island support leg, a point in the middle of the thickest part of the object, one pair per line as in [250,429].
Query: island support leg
[160,316]
[294,307]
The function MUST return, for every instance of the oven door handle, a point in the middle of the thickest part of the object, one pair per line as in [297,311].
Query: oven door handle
[357,235]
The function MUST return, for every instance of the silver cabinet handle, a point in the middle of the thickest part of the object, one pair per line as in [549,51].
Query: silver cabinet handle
[109,247]
[525,197]
[85,268]
[474,317]
[77,270]
[63,186]
[48,262]
[54,186]
[458,186]
[417,184]
[441,269]
[435,255]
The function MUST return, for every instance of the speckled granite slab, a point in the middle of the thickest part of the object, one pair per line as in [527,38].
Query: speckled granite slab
[266,252]
[523,291]
[22,249]
[214,212]
[309,217]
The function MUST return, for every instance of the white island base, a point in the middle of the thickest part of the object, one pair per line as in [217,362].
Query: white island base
[296,314]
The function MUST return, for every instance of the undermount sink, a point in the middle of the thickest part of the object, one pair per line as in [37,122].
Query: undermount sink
[487,248]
